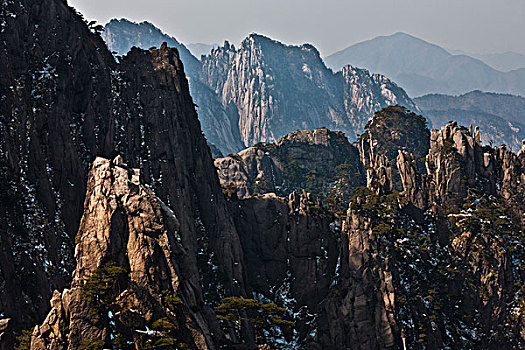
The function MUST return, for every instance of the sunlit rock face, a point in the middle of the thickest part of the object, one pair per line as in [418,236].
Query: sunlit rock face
[278,89]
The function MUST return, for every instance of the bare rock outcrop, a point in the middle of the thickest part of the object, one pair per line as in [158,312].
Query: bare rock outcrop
[62,105]
[359,312]
[321,161]
[448,273]
[390,130]
[290,250]
[457,161]
[126,225]
[277,89]
[414,183]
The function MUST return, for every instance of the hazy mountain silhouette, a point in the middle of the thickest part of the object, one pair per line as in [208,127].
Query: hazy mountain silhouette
[423,68]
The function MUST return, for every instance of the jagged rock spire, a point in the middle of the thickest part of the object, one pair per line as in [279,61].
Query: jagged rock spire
[126,224]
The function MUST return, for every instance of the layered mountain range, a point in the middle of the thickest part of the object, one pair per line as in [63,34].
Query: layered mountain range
[265,89]
[500,115]
[502,61]
[423,68]
[115,231]
[244,95]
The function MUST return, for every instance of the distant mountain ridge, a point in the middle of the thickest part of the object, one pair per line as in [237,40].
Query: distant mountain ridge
[502,61]
[121,35]
[265,89]
[423,68]
[278,89]
[499,116]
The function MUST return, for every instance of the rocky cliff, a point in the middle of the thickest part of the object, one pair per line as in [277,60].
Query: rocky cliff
[500,115]
[65,100]
[429,256]
[430,252]
[446,275]
[320,161]
[219,124]
[55,115]
[291,251]
[389,131]
[278,89]
[135,281]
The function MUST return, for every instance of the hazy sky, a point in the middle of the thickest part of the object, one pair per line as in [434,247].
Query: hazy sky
[479,26]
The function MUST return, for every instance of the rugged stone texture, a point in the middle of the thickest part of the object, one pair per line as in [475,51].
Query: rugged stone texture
[219,124]
[457,161]
[449,277]
[414,186]
[169,148]
[55,114]
[277,89]
[390,130]
[6,335]
[321,161]
[65,100]
[126,223]
[290,251]
[449,274]
[359,312]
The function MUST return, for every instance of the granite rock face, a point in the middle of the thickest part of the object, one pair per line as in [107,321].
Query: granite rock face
[277,89]
[321,161]
[447,274]
[126,224]
[64,101]
[55,92]
[391,130]
[219,124]
[359,313]
[290,252]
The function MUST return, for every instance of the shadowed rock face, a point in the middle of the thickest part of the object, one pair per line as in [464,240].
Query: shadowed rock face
[454,272]
[290,251]
[65,101]
[55,91]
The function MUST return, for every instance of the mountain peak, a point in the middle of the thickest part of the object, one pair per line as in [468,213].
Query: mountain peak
[423,68]
[404,35]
